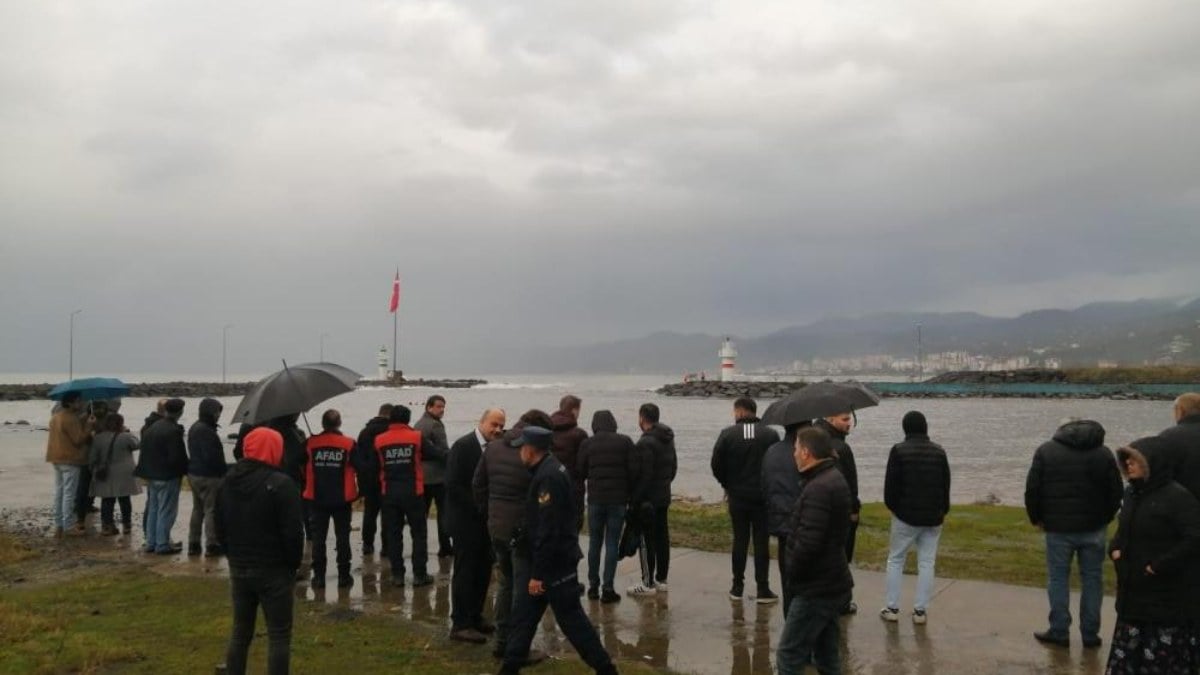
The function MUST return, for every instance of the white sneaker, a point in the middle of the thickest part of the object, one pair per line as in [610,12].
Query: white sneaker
[919,617]
[661,586]
[889,614]
[640,590]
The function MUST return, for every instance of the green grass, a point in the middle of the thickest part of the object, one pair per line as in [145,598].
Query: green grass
[987,543]
[122,618]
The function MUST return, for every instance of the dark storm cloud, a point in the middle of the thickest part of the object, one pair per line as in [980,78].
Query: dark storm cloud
[618,168]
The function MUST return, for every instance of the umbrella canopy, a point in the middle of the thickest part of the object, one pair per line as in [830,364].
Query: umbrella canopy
[91,388]
[295,389]
[821,399]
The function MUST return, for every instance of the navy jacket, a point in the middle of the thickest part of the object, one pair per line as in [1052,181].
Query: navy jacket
[550,523]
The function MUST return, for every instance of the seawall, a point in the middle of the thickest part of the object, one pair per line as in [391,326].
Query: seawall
[29,392]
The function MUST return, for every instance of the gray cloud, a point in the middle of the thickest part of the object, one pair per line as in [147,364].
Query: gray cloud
[612,169]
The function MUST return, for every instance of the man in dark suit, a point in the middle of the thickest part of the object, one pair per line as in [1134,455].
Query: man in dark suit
[468,529]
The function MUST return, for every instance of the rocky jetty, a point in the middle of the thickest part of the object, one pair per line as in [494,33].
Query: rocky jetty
[1023,376]
[31,392]
[718,389]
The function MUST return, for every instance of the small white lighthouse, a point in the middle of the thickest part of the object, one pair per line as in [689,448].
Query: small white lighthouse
[728,356]
[382,362]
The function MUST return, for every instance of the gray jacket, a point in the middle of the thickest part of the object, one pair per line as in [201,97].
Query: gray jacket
[434,433]
[120,481]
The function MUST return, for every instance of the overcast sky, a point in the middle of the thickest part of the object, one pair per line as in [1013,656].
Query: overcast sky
[563,172]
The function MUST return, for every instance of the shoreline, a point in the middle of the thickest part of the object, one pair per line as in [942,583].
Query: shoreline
[186,389]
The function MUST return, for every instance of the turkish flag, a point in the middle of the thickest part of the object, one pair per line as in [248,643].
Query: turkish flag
[395,304]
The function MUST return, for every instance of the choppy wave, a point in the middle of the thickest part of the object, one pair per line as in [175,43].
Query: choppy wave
[522,385]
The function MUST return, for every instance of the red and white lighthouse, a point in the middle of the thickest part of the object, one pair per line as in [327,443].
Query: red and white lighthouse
[728,356]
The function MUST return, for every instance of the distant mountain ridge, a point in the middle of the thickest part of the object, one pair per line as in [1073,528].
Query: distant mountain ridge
[1133,332]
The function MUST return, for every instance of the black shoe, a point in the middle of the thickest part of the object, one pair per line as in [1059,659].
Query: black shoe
[1092,642]
[736,591]
[593,593]
[486,628]
[345,580]
[194,549]
[446,553]
[318,580]
[420,580]
[1048,638]
[609,596]
[766,597]
[498,651]
[368,549]
[468,635]
[850,609]
[398,581]
[214,552]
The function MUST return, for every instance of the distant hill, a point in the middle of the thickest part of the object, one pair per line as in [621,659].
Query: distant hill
[1133,332]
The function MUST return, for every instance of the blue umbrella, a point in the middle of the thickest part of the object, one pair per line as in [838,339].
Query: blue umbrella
[91,388]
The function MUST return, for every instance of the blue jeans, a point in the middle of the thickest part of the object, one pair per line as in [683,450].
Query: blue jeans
[1060,547]
[604,529]
[66,482]
[162,505]
[811,630]
[903,538]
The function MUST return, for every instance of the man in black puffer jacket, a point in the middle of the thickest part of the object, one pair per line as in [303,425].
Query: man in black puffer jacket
[612,469]
[1183,443]
[817,572]
[206,468]
[367,465]
[781,488]
[737,461]
[916,489]
[838,427]
[258,525]
[1072,492]
[657,448]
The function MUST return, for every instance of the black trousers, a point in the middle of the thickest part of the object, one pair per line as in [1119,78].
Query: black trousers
[319,517]
[750,522]
[562,595]
[655,551]
[106,510]
[272,589]
[397,511]
[370,519]
[851,536]
[781,542]
[435,495]
[83,500]
[473,561]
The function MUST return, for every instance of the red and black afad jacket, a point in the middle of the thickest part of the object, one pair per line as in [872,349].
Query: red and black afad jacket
[329,476]
[399,451]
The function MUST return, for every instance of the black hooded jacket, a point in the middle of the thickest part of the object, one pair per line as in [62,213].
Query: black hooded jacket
[1159,527]
[1074,484]
[657,445]
[367,462]
[610,464]
[206,452]
[737,459]
[781,484]
[258,520]
[163,455]
[845,461]
[815,560]
[916,486]
[1184,453]
[568,439]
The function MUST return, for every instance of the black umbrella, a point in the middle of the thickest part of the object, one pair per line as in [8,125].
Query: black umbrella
[821,399]
[294,389]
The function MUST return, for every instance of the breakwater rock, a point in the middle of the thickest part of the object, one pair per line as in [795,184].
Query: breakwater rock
[32,392]
[1022,376]
[463,383]
[718,389]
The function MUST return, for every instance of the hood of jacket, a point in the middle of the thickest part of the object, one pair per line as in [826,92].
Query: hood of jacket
[264,445]
[1152,454]
[603,420]
[562,421]
[1080,435]
[210,410]
[663,433]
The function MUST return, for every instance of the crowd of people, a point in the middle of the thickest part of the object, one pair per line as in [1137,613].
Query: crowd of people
[511,502]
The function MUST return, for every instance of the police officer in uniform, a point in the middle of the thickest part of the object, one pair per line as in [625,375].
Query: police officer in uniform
[552,538]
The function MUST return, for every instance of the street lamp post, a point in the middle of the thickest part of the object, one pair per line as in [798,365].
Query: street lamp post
[71,348]
[224,348]
[323,336]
